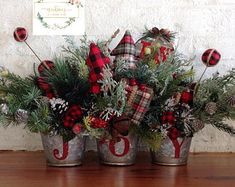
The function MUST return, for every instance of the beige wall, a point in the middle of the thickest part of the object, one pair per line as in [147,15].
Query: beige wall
[201,24]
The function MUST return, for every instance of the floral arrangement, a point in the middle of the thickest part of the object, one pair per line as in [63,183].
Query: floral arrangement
[144,86]
[75,94]
[54,100]
[183,106]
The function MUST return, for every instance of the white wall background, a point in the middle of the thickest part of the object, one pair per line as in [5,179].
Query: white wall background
[201,24]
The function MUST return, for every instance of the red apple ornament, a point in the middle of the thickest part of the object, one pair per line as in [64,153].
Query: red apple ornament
[211,57]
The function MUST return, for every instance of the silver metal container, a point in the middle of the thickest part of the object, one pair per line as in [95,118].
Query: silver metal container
[60,153]
[122,153]
[172,152]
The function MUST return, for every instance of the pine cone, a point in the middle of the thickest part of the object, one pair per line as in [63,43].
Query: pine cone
[4,108]
[21,116]
[231,101]
[59,105]
[197,125]
[211,108]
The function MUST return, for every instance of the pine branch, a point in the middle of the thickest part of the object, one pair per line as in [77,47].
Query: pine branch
[68,82]
[223,127]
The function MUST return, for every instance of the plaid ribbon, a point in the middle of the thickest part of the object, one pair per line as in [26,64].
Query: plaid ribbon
[72,116]
[96,61]
[138,102]
[126,48]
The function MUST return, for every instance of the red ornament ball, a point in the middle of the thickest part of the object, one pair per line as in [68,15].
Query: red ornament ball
[20,34]
[186,97]
[211,57]
[42,67]
[77,128]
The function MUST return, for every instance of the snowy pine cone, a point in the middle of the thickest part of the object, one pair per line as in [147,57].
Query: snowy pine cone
[21,116]
[58,105]
[231,100]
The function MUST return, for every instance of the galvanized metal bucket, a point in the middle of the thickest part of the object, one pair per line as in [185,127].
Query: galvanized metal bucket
[122,153]
[172,152]
[60,153]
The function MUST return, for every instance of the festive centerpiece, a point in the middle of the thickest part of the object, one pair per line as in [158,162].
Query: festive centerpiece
[79,93]
[119,104]
[54,101]
[142,88]
[181,106]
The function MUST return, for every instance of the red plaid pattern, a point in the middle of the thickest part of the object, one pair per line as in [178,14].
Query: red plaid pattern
[138,101]
[168,117]
[96,62]
[126,48]
[41,67]
[72,116]
[20,34]
[211,57]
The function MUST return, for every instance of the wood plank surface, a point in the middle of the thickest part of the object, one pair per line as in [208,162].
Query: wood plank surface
[28,169]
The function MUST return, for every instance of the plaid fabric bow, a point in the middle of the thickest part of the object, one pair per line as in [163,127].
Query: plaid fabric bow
[138,102]
[126,48]
[96,61]
[72,116]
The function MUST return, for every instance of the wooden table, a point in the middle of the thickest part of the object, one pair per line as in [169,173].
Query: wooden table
[28,169]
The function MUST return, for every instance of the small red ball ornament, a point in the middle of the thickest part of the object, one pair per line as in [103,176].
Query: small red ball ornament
[211,57]
[77,128]
[20,34]
[46,64]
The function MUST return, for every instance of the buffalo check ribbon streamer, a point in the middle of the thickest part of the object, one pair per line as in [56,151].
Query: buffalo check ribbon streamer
[96,61]
[138,101]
